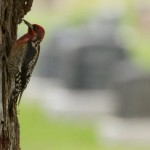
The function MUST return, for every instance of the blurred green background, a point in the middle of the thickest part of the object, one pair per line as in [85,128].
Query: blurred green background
[41,132]
[68,13]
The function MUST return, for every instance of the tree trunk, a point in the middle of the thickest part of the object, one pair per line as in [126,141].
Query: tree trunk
[11,14]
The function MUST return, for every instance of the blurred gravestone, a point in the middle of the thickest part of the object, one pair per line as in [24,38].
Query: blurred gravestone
[88,54]
[134,95]
[133,87]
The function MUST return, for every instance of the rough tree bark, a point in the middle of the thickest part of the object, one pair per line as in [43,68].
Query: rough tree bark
[11,14]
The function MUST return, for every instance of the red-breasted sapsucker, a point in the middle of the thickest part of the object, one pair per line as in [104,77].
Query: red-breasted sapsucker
[22,60]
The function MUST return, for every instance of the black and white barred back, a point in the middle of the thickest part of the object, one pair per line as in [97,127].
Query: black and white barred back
[23,75]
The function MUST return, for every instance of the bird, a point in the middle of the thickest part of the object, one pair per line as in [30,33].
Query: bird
[22,60]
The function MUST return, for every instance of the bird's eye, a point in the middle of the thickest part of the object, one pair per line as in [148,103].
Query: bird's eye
[35,28]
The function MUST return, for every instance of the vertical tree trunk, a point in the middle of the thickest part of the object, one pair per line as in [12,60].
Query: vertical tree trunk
[11,14]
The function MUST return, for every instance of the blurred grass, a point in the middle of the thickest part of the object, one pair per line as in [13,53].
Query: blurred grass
[40,133]
[37,133]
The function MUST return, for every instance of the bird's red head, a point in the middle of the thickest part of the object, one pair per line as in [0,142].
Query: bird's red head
[35,31]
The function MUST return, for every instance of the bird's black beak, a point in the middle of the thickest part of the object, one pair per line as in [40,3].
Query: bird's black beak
[28,24]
